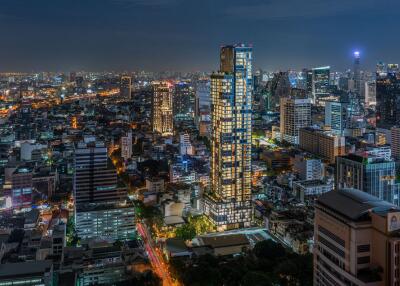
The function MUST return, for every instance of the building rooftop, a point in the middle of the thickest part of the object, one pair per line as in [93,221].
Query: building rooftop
[354,204]
[175,245]
[10,270]
[173,220]
[225,240]
[365,158]
[103,206]
[311,183]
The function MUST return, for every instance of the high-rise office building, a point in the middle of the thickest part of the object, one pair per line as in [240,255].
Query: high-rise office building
[308,74]
[370,93]
[101,207]
[126,87]
[387,99]
[184,101]
[203,99]
[336,116]
[229,204]
[203,107]
[357,75]
[162,112]
[95,178]
[356,240]
[320,83]
[295,114]
[372,174]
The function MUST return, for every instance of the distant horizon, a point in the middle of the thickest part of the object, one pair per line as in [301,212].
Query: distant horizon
[185,35]
[182,71]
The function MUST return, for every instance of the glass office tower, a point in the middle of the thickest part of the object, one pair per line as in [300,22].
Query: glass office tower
[229,202]
[372,174]
[387,99]
[320,83]
[336,116]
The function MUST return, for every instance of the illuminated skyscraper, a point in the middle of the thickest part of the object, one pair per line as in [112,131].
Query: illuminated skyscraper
[126,87]
[229,205]
[184,101]
[162,114]
[357,78]
[320,83]
[308,75]
[387,99]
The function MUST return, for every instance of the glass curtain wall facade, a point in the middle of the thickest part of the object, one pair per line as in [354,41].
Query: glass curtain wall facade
[320,83]
[387,100]
[373,175]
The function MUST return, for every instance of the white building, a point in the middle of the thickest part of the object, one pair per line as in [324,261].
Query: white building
[185,146]
[308,168]
[310,189]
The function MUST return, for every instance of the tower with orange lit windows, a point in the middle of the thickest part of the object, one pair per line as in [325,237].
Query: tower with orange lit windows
[228,205]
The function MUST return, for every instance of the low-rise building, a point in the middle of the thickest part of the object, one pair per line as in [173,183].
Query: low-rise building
[30,273]
[221,245]
[311,189]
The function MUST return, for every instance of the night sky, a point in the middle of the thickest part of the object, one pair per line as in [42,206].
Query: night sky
[185,35]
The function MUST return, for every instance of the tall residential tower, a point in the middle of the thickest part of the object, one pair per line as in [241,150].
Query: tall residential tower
[162,112]
[228,204]
[320,83]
